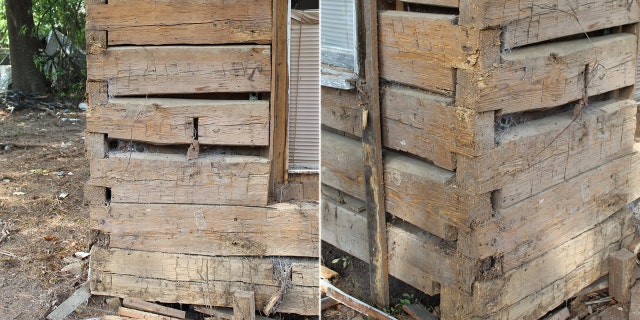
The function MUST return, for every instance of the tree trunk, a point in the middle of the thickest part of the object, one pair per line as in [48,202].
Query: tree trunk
[23,47]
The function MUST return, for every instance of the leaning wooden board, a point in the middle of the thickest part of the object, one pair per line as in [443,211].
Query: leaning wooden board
[147,70]
[139,177]
[181,121]
[278,230]
[163,22]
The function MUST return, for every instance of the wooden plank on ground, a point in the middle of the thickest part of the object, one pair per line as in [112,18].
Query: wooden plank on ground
[418,312]
[372,156]
[142,305]
[514,233]
[137,177]
[622,275]
[279,230]
[79,297]
[221,313]
[171,121]
[526,22]
[353,303]
[534,288]
[551,74]
[326,303]
[326,273]
[211,22]
[418,192]
[182,69]
[192,279]
[416,257]
[137,314]
[538,154]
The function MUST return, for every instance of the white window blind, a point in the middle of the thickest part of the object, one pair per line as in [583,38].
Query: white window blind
[339,43]
[304,91]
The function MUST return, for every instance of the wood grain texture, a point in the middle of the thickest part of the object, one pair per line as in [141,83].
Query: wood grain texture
[279,151]
[550,74]
[171,121]
[538,154]
[622,275]
[527,22]
[417,192]
[531,227]
[152,307]
[136,177]
[413,121]
[148,70]
[209,22]
[95,145]
[279,230]
[442,3]
[540,285]
[344,226]
[411,43]
[201,280]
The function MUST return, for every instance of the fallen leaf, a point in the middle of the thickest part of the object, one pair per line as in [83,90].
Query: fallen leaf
[50,238]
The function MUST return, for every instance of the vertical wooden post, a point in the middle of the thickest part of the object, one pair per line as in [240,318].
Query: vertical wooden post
[622,275]
[244,305]
[372,146]
[279,94]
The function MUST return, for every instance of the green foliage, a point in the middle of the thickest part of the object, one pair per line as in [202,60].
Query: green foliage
[345,262]
[65,69]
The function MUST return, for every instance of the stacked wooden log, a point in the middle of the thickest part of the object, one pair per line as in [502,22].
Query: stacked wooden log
[178,137]
[509,150]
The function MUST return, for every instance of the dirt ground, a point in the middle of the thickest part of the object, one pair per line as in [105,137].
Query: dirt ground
[42,216]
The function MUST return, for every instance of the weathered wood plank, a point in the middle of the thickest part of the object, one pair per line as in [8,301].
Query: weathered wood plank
[411,43]
[353,303]
[538,154]
[182,69]
[550,74]
[209,22]
[622,275]
[279,230]
[202,280]
[538,286]
[415,257]
[417,192]
[417,122]
[515,232]
[171,121]
[137,314]
[136,177]
[79,297]
[442,3]
[95,145]
[527,22]
[372,153]
[244,305]
[142,305]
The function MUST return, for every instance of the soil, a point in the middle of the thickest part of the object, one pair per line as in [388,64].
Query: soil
[42,174]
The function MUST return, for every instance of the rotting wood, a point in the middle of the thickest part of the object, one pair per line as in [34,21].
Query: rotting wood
[372,155]
[549,75]
[514,233]
[622,275]
[352,302]
[525,22]
[213,22]
[535,155]
[418,192]
[418,312]
[576,264]
[326,273]
[137,314]
[279,230]
[171,121]
[208,69]
[415,257]
[79,297]
[278,152]
[200,280]
[214,179]
[244,305]
[142,305]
